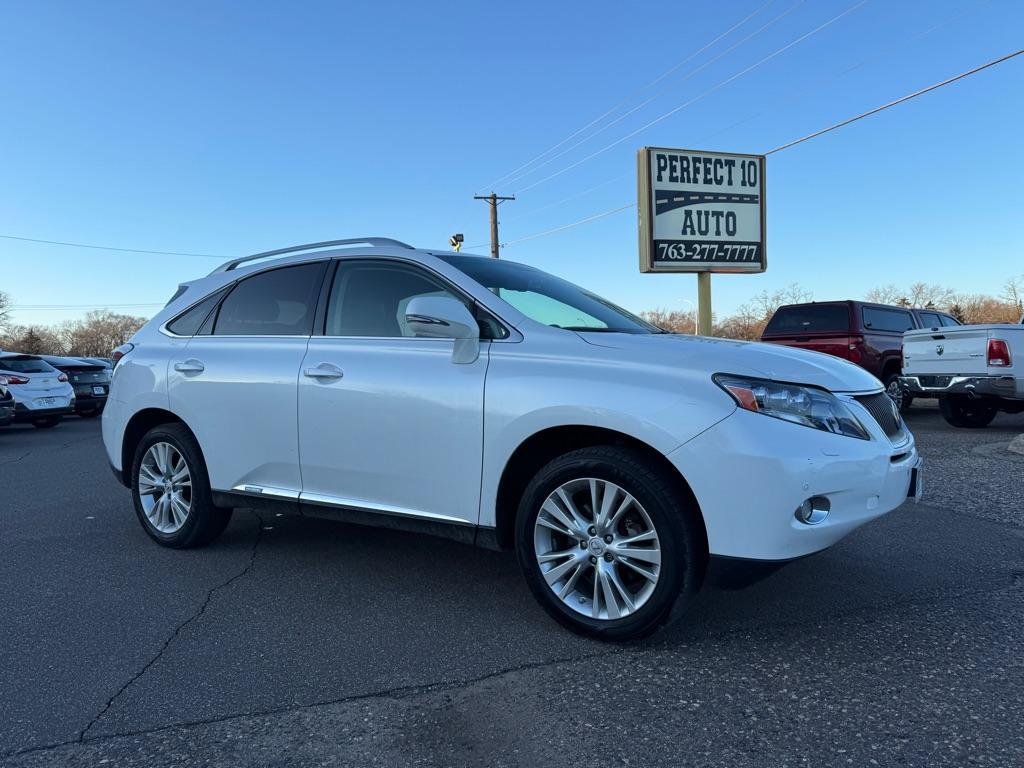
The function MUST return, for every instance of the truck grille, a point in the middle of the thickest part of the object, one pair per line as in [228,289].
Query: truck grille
[883,410]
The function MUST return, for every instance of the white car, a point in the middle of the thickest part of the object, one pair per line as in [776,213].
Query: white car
[488,401]
[42,394]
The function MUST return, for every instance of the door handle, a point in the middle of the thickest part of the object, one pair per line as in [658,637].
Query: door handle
[190,366]
[324,371]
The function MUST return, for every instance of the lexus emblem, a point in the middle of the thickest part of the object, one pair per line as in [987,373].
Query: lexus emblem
[939,349]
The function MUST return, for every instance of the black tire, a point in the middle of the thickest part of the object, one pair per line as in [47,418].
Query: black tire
[48,422]
[205,521]
[898,392]
[681,536]
[91,414]
[967,413]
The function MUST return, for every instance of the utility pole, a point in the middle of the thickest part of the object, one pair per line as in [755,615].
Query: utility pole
[495,201]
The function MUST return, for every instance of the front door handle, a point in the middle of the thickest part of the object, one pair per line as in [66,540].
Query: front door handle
[324,371]
[190,366]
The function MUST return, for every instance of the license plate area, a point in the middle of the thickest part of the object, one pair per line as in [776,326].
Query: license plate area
[99,390]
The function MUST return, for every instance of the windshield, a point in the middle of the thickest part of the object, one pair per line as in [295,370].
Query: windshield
[25,364]
[549,299]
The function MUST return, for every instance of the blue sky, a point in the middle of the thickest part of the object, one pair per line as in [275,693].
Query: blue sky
[228,128]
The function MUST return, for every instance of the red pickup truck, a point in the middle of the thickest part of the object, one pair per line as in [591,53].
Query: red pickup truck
[870,335]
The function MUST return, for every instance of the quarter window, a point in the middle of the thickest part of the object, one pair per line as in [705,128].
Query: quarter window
[930,320]
[279,302]
[369,299]
[189,321]
[891,320]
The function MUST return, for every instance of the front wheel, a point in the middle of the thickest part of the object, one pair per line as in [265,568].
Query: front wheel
[968,413]
[171,490]
[608,544]
[898,393]
[48,422]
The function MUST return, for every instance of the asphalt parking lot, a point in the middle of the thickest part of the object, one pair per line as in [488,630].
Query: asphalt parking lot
[300,642]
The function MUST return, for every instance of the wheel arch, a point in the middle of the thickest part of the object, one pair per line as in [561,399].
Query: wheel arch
[136,428]
[541,447]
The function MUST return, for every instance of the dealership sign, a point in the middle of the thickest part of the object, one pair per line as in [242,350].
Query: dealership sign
[700,211]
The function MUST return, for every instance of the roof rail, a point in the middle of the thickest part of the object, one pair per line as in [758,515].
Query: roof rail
[376,242]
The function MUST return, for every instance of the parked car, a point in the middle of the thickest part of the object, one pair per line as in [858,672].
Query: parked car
[867,334]
[90,380]
[975,370]
[6,403]
[106,362]
[499,405]
[42,394]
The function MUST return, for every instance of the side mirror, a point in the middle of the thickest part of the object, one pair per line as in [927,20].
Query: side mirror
[442,317]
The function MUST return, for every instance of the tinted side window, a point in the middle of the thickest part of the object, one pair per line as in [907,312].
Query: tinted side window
[948,321]
[810,318]
[280,302]
[189,321]
[930,320]
[369,298]
[894,320]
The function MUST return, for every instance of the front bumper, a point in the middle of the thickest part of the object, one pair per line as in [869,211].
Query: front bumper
[751,472]
[936,385]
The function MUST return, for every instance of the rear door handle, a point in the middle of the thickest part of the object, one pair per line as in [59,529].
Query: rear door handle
[324,371]
[190,366]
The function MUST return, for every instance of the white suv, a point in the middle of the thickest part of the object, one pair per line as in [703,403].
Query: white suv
[488,401]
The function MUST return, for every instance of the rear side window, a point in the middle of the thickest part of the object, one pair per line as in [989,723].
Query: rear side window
[189,321]
[949,321]
[892,320]
[810,318]
[280,302]
[931,320]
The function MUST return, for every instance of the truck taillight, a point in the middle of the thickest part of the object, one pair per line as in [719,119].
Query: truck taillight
[998,353]
[856,342]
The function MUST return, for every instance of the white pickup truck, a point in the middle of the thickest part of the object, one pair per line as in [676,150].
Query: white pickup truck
[975,370]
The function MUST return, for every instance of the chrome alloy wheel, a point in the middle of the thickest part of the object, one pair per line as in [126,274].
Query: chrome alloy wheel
[165,487]
[597,548]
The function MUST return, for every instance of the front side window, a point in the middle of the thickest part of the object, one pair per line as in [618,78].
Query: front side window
[548,299]
[370,298]
[279,302]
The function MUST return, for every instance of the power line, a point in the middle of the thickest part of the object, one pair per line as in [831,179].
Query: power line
[901,100]
[814,135]
[52,307]
[645,102]
[110,248]
[513,174]
[695,99]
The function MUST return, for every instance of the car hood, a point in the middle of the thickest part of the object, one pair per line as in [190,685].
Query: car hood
[744,358]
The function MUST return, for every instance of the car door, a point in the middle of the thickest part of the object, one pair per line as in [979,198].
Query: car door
[387,421]
[235,382]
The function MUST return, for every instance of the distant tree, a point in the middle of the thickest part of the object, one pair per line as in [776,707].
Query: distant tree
[674,321]
[886,294]
[31,340]
[5,311]
[98,333]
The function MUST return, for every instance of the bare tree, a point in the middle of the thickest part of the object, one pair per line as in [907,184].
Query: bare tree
[674,321]
[99,333]
[886,294]
[5,311]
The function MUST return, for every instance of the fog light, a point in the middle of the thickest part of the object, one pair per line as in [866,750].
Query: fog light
[813,510]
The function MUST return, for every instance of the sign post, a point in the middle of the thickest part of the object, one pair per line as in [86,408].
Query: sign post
[701,212]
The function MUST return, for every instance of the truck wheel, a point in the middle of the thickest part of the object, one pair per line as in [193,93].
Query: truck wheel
[608,544]
[171,490]
[962,411]
[898,392]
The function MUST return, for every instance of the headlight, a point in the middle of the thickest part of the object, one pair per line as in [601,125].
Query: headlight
[808,406]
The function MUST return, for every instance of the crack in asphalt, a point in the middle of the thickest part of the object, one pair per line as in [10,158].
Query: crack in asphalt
[177,630]
[15,461]
[1016,583]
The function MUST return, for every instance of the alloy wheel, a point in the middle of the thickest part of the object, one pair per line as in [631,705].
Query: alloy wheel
[165,487]
[597,548]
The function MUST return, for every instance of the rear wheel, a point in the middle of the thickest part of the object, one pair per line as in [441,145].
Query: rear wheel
[171,490]
[608,544]
[963,411]
[47,422]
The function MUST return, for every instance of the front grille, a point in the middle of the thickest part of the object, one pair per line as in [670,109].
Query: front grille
[883,410]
